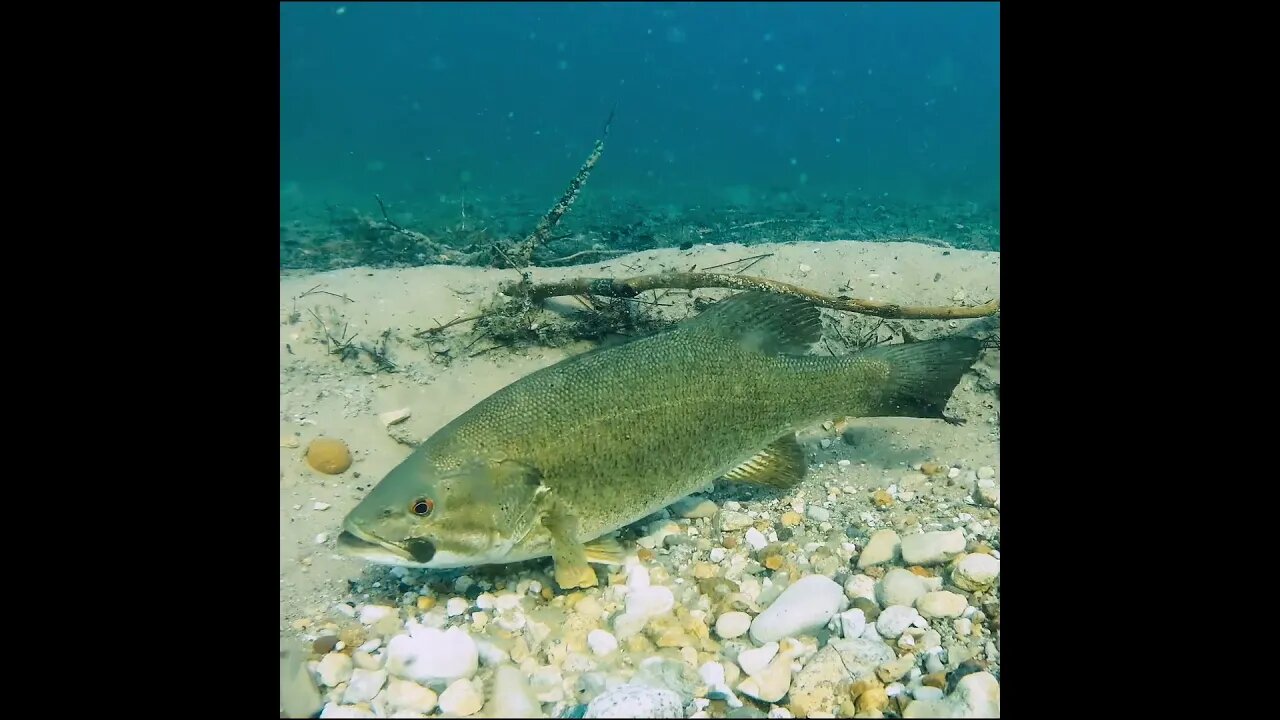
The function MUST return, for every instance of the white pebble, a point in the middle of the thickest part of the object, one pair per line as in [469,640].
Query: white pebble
[334,668]
[650,601]
[986,472]
[717,554]
[456,606]
[852,623]
[461,699]
[804,268]
[322,506]
[636,701]
[860,586]
[754,661]
[895,620]
[370,614]
[733,624]
[433,657]
[392,417]
[637,577]
[806,605]
[404,696]
[932,547]
[963,626]
[535,587]
[976,571]
[322,538]
[820,514]
[602,642]
[953,473]
[755,539]
[713,676]
[730,520]
[364,685]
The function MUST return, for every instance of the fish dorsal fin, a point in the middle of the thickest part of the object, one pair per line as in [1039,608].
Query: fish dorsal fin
[767,322]
[781,465]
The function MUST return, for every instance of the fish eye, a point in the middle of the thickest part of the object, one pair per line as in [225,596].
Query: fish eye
[423,507]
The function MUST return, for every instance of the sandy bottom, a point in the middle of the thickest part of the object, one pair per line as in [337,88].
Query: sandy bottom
[320,394]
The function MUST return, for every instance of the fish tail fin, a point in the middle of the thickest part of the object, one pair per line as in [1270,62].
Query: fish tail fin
[915,379]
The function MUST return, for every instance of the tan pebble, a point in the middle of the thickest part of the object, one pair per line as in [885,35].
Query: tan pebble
[328,455]
[673,638]
[874,571]
[882,499]
[863,684]
[773,562]
[426,602]
[546,592]
[645,555]
[730,541]
[932,468]
[302,623]
[873,699]
[938,680]
[918,570]
[639,644]
[702,571]
[847,709]
[388,626]
[289,441]
[791,518]
[353,636]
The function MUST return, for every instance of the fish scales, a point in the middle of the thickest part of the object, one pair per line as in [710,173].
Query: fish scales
[581,448]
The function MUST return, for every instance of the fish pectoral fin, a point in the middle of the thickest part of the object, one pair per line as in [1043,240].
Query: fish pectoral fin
[605,551]
[781,465]
[572,569]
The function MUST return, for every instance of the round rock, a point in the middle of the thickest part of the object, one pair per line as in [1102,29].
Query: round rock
[636,701]
[805,606]
[328,455]
[976,572]
[942,604]
[733,624]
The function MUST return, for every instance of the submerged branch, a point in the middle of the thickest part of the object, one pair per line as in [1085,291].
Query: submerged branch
[630,287]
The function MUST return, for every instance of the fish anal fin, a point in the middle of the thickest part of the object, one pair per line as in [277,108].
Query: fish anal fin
[781,465]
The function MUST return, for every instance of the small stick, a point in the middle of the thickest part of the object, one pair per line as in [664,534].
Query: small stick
[757,258]
[432,331]
[630,287]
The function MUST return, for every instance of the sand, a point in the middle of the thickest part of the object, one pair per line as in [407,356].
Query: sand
[320,394]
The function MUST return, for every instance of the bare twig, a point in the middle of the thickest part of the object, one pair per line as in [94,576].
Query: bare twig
[317,291]
[756,258]
[567,258]
[630,287]
[524,253]
[439,328]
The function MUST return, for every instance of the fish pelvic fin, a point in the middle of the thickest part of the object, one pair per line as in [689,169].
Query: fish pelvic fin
[781,465]
[917,378]
[605,551]
[767,322]
[569,555]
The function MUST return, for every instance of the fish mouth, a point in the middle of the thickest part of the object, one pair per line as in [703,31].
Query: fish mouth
[354,542]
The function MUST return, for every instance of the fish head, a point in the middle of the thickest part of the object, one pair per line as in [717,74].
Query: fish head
[425,516]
